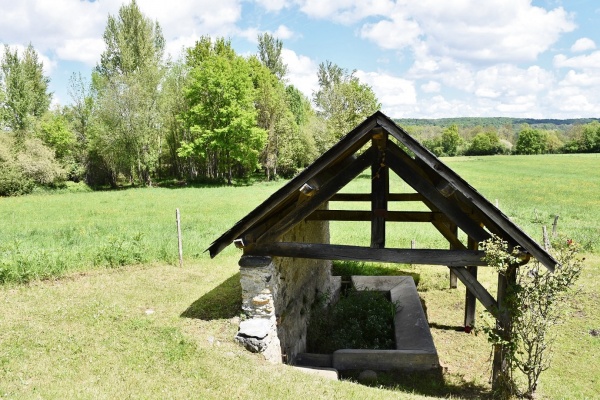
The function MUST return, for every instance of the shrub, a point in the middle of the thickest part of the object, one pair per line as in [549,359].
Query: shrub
[359,320]
[38,163]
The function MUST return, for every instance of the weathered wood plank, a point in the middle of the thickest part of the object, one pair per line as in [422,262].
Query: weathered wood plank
[410,173]
[304,209]
[390,216]
[484,297]
[380,187]
[495,215]
[349,145]
[367,197]
[470,297]
[357,253]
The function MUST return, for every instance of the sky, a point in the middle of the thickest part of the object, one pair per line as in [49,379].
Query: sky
[423,59]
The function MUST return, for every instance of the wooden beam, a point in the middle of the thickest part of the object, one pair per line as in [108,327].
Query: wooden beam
[411,174]
[475,287]
[470,298]
[390,216]
[357,253]
[349,145]
[380,187]
[367,197]
[454,230]
[304,209]
[496,216]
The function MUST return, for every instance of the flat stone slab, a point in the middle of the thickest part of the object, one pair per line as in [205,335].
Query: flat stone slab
[254,328]
[410,323]
[385,360]
[378,283]
[327,373]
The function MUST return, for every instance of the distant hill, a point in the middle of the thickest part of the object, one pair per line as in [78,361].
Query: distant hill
[469,122]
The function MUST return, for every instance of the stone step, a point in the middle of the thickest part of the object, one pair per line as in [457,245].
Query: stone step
[314,360]
[327,373]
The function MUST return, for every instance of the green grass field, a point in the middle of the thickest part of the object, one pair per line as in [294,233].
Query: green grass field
[94,306]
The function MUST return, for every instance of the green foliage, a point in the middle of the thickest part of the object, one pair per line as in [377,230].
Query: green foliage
[269,53]
[535,305]
[37,162]
[222,116]
[484,144]
[342,100]
[13,182]
[447,144]
[56,133]
[24,92]
[530,141]
[359,320]
[585,140]
[127,84]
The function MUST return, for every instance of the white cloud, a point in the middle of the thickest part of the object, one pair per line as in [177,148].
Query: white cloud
[431,87]
[584,79]
[388,35]
[583,44]
[73,29]
[591,61]
[345,11]
[302,72]
[470,30]
[390,90]
[272,5]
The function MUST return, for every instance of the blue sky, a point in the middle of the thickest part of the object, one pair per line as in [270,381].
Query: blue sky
[423,59]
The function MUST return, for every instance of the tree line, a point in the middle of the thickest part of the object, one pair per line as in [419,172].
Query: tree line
[141,118]
[462,137]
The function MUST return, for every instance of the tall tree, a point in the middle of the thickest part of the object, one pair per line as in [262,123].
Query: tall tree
[269,53]
[128,83]
[222,116]
[24,94]
[342,100]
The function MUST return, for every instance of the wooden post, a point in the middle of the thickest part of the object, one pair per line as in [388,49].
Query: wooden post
[470,299]
[500,367]
[179,244]
[379,190]
[554,226]
[453,277]
[545,237]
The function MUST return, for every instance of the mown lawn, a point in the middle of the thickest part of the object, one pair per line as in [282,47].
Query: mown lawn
[154,330]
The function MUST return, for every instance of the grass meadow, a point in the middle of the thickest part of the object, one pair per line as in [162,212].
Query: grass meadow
[94,305]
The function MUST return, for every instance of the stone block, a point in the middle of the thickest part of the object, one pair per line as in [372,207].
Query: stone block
[327,373]
[384,360]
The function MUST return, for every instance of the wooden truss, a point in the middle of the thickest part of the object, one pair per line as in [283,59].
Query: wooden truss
[379,144]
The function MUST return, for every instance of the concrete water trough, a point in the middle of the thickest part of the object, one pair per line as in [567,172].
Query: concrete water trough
[415,350]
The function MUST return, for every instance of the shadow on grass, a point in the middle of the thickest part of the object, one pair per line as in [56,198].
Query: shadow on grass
[443,327]
[433,383]
[223,302]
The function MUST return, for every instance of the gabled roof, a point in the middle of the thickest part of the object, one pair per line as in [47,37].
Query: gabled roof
[440,188]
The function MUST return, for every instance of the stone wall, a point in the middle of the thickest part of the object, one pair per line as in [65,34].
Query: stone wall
[278,293]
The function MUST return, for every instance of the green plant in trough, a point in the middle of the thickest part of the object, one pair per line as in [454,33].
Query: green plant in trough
[359,320]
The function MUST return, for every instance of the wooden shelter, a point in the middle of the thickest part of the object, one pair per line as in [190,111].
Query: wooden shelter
[382,146]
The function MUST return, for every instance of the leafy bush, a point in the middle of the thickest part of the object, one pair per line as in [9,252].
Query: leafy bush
[359,320]
[38,163]
[13,182]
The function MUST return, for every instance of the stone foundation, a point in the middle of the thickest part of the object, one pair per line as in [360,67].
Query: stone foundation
[278,294]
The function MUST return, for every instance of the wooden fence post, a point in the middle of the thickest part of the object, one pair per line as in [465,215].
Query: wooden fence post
[554,226]
[179,244]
